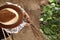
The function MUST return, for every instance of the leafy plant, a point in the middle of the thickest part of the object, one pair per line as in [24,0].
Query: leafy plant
[50,20]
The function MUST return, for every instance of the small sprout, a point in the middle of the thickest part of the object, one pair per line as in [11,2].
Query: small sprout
[53,4]
[41,31]
[41,19]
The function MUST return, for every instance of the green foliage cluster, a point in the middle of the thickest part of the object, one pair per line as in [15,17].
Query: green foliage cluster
[50,19]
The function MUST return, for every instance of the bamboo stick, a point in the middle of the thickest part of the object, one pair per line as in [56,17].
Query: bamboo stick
[5,35]
[34,29]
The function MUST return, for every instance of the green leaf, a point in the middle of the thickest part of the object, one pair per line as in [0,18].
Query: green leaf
[48,31]
[53,37]
[49,12]
[41,19]
[51,1]
[53,4]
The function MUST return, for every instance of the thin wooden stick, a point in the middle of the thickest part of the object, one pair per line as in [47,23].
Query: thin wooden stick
[12,36]
[35,30]
[5,35]
[9,37]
